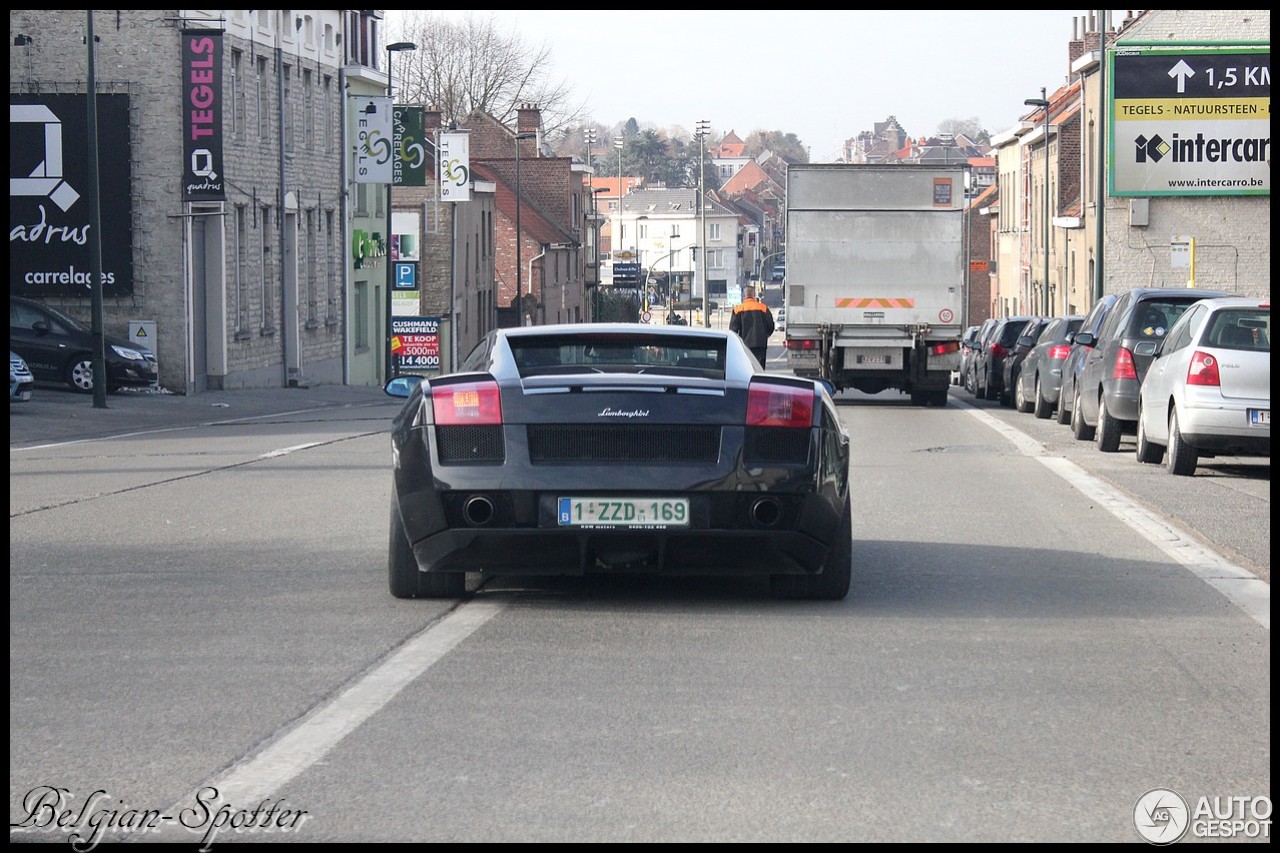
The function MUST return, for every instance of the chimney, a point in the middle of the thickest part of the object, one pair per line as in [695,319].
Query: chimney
[529,119]
[431,119]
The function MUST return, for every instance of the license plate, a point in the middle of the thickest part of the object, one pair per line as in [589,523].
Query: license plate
[1260,417]
[872,359]
[803,357]
[622,512]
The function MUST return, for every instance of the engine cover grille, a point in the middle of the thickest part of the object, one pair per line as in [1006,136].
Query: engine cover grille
[653,444]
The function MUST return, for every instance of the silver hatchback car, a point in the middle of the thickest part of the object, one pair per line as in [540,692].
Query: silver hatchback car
[1208,389]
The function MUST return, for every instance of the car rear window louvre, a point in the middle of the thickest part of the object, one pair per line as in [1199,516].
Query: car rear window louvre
[470,444]
[651,444]
[773,446]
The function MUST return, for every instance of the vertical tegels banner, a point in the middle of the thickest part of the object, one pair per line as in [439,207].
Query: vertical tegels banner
[202,177]
[373,140]
[411,147]
[455,167]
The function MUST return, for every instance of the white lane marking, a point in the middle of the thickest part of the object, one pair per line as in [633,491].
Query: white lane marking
[1240,586]
[260,776]
[285,451]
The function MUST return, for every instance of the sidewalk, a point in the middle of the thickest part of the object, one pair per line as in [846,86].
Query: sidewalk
[57,414]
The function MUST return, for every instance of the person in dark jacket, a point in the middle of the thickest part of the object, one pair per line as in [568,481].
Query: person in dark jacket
[753,322]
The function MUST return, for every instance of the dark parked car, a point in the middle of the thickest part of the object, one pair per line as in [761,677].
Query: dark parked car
[58,348]
[969,358]
[1106,396]
[968,342]
[1013,361]
[572,449]
[988,365]
[1040,378]
[1075,359]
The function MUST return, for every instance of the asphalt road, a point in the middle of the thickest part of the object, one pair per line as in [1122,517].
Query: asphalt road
[200,602]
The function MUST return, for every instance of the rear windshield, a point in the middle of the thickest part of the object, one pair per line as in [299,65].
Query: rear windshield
[1245,329]
[668,354]
[1153,317]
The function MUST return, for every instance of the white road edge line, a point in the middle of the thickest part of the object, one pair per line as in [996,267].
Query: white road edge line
[1239,585]
[260,776]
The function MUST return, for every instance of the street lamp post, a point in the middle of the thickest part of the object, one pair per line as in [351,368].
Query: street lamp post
[1043,103]
[528,134]
[703,128]
[595,260]
[388,367]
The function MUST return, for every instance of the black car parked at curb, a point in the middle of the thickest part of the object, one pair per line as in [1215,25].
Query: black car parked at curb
[59,348]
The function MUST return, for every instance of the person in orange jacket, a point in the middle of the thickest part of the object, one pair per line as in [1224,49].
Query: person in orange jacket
[753,322]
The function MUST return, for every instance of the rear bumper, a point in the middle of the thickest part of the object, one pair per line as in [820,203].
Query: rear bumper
[1225,429]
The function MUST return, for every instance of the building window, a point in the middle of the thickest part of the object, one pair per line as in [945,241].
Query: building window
[260,109]
[240,271]
[286,108]
[331,274]
[328,123]
[715,258]
[714,228]
[265,267]
[308,111]
[312,272]
[360,307]
[236,59]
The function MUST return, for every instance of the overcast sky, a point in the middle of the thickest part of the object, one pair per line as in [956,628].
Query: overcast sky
[824,76]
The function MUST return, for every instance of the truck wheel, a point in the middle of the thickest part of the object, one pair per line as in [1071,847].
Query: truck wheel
[939,398]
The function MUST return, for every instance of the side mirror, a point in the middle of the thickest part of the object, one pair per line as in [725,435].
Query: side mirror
[40,327]
[1086,339]
[1147,349]
[402,386]
[1027,341]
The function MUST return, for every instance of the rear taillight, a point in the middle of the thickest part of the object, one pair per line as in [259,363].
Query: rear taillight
[798,343]
[944,348]
[771,405]
[1124,367]
[1059,352]
[467,403]
[1203,370]
[998,350]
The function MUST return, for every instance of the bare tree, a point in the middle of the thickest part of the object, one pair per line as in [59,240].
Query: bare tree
[970,127]
[465,65]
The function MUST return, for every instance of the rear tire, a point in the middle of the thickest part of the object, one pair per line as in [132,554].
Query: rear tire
[833,583]
[1064,414]
[1042,408]
[404,578]
[1021,403]
[1147,453]
[1109,428]
[1183,458]
[939,398]
[1081,430]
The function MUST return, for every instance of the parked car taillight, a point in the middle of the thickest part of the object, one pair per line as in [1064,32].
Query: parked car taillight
[1124,367]
[998,350]
[467,403]
[1060,351]
[771,405]
[1203,370]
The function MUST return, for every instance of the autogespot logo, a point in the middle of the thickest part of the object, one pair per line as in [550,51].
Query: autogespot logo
[1161,816]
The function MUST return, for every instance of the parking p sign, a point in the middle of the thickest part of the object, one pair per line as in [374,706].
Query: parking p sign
[406,275]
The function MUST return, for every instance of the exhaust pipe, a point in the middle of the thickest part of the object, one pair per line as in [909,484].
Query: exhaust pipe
[766,512]
[478,511]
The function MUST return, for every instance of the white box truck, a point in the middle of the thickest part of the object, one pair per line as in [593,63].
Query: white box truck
[875,283]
